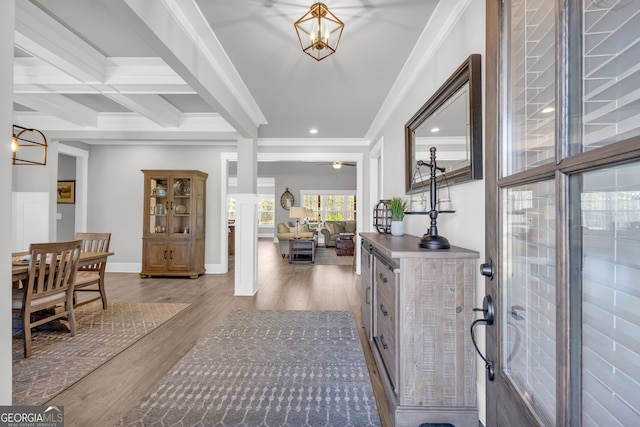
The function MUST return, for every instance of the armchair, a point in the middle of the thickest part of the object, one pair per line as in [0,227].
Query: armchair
[332,229]
[52,273]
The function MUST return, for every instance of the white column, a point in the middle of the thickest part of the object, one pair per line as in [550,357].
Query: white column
[246,250]
[7,25]
[247,166]
[246,225]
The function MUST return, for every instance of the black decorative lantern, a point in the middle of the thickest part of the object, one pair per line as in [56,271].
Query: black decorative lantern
[382,217]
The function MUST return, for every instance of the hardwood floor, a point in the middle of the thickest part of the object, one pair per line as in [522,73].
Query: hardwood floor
[105,395]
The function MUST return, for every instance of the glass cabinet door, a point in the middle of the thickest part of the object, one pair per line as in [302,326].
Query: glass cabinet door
[180,205]
[200,206]
[158,204]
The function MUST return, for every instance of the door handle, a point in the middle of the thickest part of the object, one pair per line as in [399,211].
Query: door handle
[488,317]
[487,269]
[515,312]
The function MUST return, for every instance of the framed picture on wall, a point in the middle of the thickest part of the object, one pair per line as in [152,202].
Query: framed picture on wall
[66,191]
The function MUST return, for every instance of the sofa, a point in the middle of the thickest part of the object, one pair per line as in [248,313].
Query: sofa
[331,231]
[287,231]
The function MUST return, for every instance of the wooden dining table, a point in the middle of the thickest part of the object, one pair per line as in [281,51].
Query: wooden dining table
[20,270]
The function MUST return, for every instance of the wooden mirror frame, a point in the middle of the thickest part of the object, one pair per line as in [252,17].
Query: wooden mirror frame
[469,71]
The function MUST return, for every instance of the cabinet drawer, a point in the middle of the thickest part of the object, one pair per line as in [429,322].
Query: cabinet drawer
[385,291]
[386,342]
[385,317]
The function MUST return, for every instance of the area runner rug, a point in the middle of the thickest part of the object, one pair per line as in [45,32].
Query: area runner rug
[267,368]
[58,360]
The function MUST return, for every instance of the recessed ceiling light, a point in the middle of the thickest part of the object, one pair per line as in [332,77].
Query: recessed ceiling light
[435,130]
[548,110]
[313,130]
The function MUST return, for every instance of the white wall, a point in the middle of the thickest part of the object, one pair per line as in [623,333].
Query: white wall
[40,179]
[465,228]
[115,200]
[7,22]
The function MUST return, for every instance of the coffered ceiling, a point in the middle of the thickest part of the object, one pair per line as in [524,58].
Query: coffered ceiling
[203,71]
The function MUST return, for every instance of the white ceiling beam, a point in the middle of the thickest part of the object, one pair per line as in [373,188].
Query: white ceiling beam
[190,123]
[41,36]
[177,29]
[126,76]
[152,107]
[59,106]
[142,71]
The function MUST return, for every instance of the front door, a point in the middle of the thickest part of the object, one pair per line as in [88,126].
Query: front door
[563,212]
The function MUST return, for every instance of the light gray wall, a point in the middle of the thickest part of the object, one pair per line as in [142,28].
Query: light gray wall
[66,224]
[302,176]
[465,228]
[308,177]
[115,183]
[116,193]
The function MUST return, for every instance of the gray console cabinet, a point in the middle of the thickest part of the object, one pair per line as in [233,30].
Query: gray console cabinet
[421,308]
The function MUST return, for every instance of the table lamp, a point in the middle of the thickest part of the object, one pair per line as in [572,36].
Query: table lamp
[297,212]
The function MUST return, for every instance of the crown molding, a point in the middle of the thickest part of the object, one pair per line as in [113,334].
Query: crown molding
[442,21]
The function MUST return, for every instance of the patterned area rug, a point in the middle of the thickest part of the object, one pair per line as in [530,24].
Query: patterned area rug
[267,368]
[327,256]
[58,360]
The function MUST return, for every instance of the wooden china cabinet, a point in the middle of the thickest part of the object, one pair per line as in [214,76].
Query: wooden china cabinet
[174,223]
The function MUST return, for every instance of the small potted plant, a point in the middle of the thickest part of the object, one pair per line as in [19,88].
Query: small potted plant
[398,206]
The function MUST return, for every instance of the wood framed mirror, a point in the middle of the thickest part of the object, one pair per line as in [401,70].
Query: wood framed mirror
[451,121]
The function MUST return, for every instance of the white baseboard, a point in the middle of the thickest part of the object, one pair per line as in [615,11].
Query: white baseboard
[135,267]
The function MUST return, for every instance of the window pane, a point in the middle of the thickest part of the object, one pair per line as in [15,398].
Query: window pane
[334,202]
[330,207]
[531,96]
[610,225]
[529,278]
[266,218]
[611,75]
[265,210]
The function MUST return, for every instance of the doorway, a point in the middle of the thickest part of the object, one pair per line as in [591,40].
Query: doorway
[563,212]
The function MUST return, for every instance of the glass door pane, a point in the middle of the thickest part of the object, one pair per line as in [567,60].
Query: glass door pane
[199,194]
[531,86]
[159,205]
[610,232]
[529,295]
[611,72]
[181,205]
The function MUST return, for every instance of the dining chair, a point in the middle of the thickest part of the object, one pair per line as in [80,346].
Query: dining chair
[90,278]
[49,286]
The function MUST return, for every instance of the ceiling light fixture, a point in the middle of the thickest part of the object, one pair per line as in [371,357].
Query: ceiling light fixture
[337,165]
[319,31]
[34,145]
[313,130]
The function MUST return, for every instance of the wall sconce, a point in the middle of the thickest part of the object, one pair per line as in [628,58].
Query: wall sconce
[31,145]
